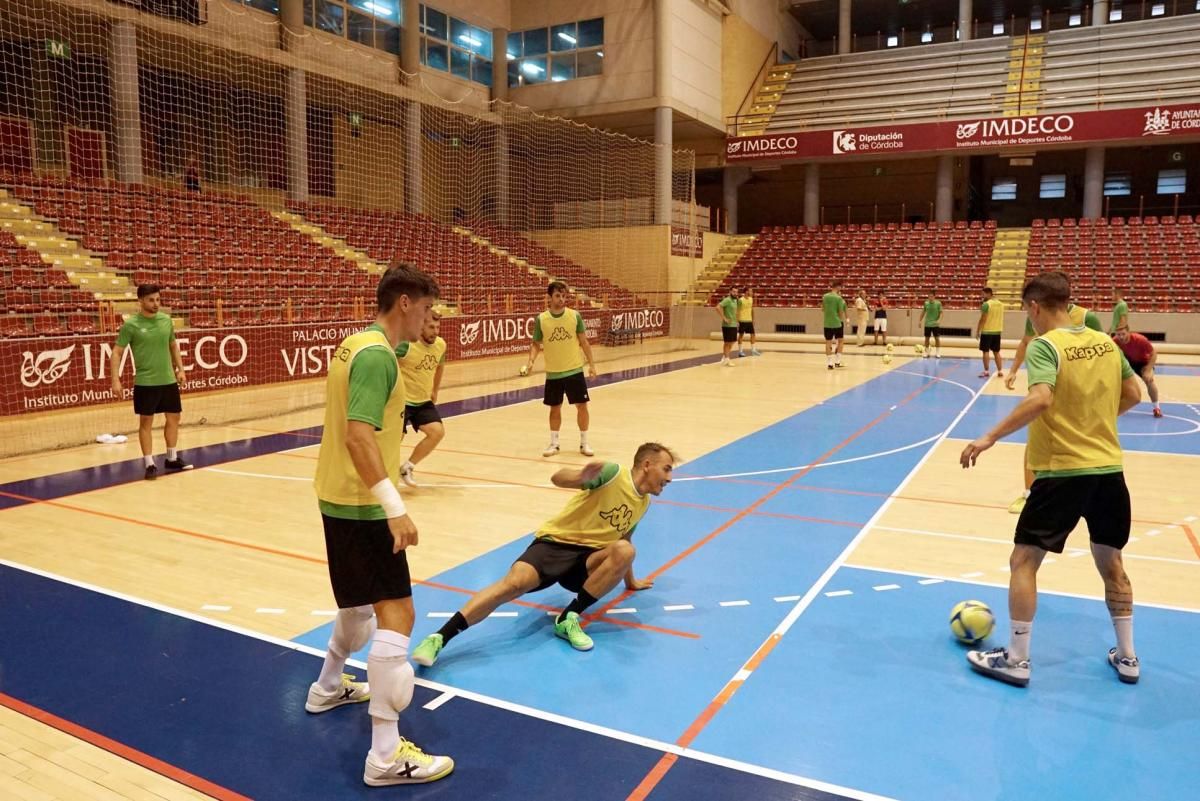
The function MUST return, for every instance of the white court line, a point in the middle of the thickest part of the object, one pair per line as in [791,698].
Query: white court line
[787,599]
[270,610]
[503,614]
[309,479]
[936,378]
[926,582]
[439,700]
[216,608]
[735,603]
[1004,586]
[498,703]
[1195,426]
[886,587]
[838,593]
[324,613]
[439,614]
[678,608]
[625,610]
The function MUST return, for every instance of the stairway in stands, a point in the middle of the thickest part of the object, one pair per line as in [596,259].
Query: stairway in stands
[1006,272]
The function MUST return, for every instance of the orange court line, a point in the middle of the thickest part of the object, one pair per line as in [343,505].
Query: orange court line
[782,515]
[318,560]
[121,750]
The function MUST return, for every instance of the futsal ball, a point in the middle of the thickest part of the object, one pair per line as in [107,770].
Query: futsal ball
[887,358]
[523,371]
[918,348]
[890,347]
[971,621]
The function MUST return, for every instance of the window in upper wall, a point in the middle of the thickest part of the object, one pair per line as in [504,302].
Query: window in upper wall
[1172,182]
[575,50]
[1053,186]
[1118,184]
[1004,189]
[331,17]
[926,37]
[998,29]
[456,46]
[893,41]
[375,23]
[1074,20]
[1158,9]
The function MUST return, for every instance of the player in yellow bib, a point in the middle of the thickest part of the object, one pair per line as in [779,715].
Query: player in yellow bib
[561,333]
[586,547]
[745,316]
[991,326]
[422,363]
[367,528]
[1079,383]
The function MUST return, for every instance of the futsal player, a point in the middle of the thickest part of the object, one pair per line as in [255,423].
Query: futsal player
[1079,316]
[727,309]
[367,528]
[1120,313]
[881,307]
[560,330]
[1142,358]
[991,325]
[745,316]
[422,363]
[933,323]
[1079,382]
[585,548]
[833,310]
[158,365]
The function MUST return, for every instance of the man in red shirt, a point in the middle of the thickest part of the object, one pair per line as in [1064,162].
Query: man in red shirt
[1141,356]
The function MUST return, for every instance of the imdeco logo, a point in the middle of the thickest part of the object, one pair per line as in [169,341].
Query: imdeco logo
[469,333]
[46,368]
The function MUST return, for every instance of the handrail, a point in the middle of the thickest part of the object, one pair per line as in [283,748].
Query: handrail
[768,59]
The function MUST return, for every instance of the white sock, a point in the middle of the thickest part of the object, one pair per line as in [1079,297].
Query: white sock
[829,360]
[392,680]
[583,438]
[1124,628]
[553,437]
[148,461]
[171,454]
[1018,644]
[1025,494]
[352,629]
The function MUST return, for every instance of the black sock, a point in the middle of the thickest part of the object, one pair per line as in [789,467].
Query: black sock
[582,601]
[455,625]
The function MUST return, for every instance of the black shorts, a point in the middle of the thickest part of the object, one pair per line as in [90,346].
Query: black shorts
[558,563]
[574,386]
[746,328]
[932,331]
[1056,504]
[729,333]
[362,568]
[421,415]
[989,342]
[1138,367]
[838,332]
[158,399]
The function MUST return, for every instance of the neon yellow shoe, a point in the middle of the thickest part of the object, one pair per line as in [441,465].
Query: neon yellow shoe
[570,630]
[1017,506]
[409,765]
[427,652]
[351,692]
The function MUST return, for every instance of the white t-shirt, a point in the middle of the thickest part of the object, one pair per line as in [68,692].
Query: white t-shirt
[860,304]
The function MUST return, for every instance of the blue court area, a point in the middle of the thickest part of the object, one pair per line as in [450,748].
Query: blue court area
[864,696]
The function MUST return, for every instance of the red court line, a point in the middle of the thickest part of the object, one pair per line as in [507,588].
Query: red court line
[314,559]
[121,750]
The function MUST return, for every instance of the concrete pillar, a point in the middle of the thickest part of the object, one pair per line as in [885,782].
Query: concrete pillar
[410,44]
[943,204]
[1093,183]
[966,26]
[48,132]
[845,36]
[295,124]
[501,177]
[1099,13]
[291,22]
[499,63]
[414,190]
[664,135]
[812,194]
[733,178]
[126,106]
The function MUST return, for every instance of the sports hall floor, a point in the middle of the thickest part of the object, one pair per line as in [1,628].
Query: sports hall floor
[157,639]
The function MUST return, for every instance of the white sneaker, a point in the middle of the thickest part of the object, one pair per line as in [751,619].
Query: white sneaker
[996,664]
[741,354]
[551,449]
[1127,667]
[351,692]
[586,450]
[406,475]
[926,356]
[409,765]
[727,363]
[755,352]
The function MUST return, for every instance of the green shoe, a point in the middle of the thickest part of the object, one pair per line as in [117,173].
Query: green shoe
[570,630]
[427,652]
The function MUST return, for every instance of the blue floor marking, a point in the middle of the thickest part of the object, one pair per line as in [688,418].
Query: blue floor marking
[229,708]
[878,695]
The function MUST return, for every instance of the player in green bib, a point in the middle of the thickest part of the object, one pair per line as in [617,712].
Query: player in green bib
[422,363]
[368,530]
[585,548]
[1120,312]
[727,309]
[833,313]
[150,336]
[1079,383]
[561,331]
[932,314]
